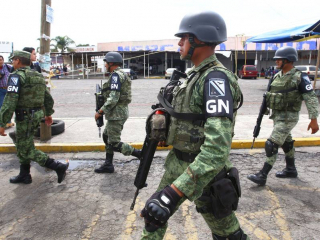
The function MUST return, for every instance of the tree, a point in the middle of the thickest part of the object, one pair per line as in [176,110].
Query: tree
[62,44]
[83,45]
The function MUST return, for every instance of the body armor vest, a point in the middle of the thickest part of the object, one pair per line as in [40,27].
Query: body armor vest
[185,135]
[125,92]
[32,90]
[284,94]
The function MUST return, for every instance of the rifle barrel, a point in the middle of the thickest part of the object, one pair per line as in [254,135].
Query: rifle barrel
[134,199]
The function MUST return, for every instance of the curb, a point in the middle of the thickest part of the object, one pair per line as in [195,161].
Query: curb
[100,147]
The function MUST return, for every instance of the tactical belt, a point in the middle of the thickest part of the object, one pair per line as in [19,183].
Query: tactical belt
[183,156]
[28,110]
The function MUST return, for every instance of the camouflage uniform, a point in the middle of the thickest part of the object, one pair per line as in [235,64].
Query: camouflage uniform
[211,143]
[31,95]
[286,107]
[117,93]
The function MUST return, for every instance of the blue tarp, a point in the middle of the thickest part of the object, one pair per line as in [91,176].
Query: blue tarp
[288,35]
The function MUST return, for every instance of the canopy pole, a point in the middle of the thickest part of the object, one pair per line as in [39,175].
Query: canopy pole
[317,66]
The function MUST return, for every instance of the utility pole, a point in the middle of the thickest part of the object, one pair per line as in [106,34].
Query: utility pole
[44,28]
[45,131]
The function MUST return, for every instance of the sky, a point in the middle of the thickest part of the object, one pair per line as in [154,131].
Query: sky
[98,21]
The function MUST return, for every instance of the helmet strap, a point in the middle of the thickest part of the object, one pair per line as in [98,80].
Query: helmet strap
[192,47]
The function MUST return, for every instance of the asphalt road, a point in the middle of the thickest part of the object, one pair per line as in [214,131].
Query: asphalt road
[97,206]
[75,98]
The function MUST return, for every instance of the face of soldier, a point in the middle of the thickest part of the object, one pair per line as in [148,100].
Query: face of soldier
[33,56]
[184,45]
[15,63]
[1,61]
[279,63]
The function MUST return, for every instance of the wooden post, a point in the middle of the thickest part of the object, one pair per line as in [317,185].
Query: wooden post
[317,66]
[45,131]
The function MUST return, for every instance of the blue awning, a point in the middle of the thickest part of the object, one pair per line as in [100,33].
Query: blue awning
[300,33]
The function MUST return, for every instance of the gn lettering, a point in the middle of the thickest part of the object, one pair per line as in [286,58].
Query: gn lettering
[212,106]
[114,86]
[12,89]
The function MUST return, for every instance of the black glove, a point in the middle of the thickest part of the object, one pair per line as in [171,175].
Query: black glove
[159,208]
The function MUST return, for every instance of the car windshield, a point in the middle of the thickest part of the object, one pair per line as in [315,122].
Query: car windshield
[251,68]
[301,68]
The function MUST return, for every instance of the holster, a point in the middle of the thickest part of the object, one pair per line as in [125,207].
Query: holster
[19,115]
[223,196]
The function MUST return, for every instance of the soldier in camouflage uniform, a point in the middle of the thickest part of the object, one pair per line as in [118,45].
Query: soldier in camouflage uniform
[28,96]
[288,89]
[117,95]
[199,158]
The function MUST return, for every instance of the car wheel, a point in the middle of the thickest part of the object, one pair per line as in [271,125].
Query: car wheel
[57,127]
[255,77]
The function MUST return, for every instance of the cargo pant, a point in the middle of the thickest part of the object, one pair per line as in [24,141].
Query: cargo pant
[173,169]
[112,137]
[26,150]
[282,133]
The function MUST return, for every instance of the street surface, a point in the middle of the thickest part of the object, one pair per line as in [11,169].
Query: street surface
[97,206]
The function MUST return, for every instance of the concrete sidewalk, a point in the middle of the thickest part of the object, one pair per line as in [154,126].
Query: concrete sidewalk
[81,134]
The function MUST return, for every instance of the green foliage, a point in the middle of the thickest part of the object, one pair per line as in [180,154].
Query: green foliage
[62,44]
[83,45]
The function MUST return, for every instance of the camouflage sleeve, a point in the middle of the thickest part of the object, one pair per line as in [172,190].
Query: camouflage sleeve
[210,161]
[111,102]
[312,104]
[48,103]
[9,105]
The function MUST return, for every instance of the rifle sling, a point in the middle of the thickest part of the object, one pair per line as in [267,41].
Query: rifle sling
[287,90]
[185,116]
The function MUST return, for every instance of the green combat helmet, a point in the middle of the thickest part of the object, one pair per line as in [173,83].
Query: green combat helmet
[286,52]
[209,27]
[113,57]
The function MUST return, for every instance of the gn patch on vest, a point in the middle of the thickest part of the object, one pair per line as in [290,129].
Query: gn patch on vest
[305,85]
[217,96]
[13,83]
[115,84]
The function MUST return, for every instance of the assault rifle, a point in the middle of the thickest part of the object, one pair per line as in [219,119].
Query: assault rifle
[157,125]
[262,111]
[99,104]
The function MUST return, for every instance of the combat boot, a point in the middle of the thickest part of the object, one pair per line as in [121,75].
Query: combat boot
[136,153]
[24,175]
[60,168]
[290,171]
[107,166]
[261,177]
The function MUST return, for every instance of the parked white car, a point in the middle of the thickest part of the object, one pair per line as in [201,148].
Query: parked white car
[308,69]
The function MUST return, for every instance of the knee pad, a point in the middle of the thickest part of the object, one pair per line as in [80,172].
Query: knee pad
[105,139]
[287,146]
[271,148]
[117,146]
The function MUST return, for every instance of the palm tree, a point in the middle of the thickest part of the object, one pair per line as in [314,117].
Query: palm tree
[62,44]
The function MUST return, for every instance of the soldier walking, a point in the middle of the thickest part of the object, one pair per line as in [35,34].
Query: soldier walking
[198,166]
[117,96]
[28,96]
[289,88]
